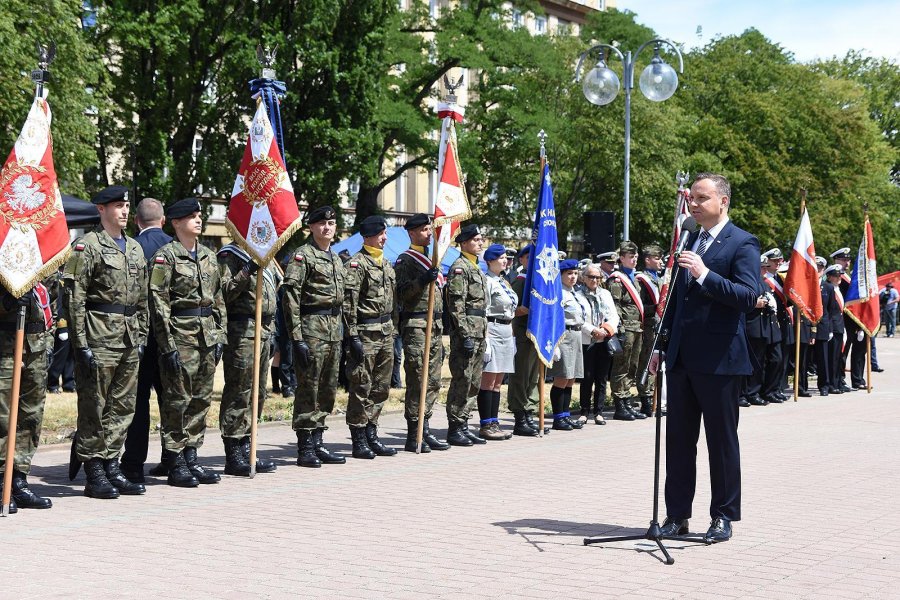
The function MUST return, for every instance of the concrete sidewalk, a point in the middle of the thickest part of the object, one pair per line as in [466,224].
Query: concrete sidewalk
[502,520]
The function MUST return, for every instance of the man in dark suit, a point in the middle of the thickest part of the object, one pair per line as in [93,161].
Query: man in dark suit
[149,218]
[707,358]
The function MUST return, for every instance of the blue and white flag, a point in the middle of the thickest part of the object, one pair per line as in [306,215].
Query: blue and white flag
[543,288]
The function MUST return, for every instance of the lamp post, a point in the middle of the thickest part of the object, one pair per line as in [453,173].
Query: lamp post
[601,85]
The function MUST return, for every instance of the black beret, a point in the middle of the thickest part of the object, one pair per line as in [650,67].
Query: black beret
[467,232]
[182,208]
[323,213]
[372,225]
[417,220]
[113,193]
[525,251]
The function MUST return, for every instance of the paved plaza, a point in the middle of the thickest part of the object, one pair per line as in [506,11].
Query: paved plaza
[498,521]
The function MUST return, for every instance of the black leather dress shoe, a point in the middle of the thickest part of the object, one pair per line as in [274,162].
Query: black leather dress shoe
[804,394]
[772,399]
[755,400]
[823,391]
[845,388]
[837,390]
[719,531]
[743,402]
[673,527]
[878,369]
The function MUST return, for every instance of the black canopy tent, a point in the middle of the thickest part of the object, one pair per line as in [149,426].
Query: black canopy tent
[79,213]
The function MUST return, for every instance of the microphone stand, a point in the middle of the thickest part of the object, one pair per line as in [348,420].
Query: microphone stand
[654,533]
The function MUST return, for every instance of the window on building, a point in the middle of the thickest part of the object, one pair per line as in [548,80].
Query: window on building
[434,8]
[517,19]
[564,27]
[400,184]
[540,25]
[88,15]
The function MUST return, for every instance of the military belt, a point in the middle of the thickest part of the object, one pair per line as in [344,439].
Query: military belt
[500,320]
[200,311]
[573,327]
[29,327]
[115,309]
[373,320]
[313,310]
[421,314]
[475,312]
[244,317]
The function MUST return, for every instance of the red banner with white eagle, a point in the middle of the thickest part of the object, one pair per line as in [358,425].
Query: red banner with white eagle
[450,204]
[34,238]
[263,212]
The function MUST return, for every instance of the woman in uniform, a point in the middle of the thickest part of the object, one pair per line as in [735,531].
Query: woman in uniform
[569,363]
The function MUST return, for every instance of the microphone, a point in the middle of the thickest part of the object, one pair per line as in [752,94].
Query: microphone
[688,226]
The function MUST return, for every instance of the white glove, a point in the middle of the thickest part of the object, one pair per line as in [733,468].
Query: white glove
[770,300]
[557,354]
[860,335]
[488,353]
[64,336]
[830,336]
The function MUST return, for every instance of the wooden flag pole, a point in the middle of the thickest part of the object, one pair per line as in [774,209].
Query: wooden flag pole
[542,368]
[869,363]
[429,322]
[797,319]
[13,411]
[254,391]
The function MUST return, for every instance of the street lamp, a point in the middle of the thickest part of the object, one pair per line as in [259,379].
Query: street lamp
[601,85]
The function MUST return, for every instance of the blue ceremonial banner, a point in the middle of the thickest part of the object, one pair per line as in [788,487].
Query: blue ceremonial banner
[543,288]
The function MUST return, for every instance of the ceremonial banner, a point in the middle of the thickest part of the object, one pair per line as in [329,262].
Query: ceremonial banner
[450,203]
[34,238]
[263,212]
[681,213]
[543,288]
[861,302]
[802,281]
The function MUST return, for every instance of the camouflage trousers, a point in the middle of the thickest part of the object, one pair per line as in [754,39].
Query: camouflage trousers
[646,349]
[414,359]
[32,393]
[465,379]
[235,411]
[370,380]
[106,398]
[186,398]
[316,385]
[625,365]
[522,394]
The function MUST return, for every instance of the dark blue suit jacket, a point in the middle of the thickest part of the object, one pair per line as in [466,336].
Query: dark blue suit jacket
[706,324]
[152,240]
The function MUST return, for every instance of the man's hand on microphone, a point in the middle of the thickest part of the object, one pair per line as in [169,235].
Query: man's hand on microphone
[653,367]
[693,263]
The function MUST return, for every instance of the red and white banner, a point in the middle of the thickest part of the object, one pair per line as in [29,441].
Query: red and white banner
[450,204]
[802,281]
[263,212]
[34,238]
[862,296]
[682,212]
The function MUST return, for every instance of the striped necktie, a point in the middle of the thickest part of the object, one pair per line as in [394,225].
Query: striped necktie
[701,249]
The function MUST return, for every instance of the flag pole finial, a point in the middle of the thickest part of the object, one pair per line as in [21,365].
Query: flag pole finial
[542,137]
[802,200]
[41,75]
[266,59]
[452,85]
[681,178]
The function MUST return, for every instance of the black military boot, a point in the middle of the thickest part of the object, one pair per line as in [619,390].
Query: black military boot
[325,455]
[162,469]
[567,403]
[556,403]
[179,474]
[456,435]
[647,406]
[430,439]
[360,445]
[521,425]
[235,463]
[23,496]
[13,508]
[628,406]
[262,465]
[375,444]
[119,481]
[98,486]
[622,413]
[536,425]
[412,431]
[306,450]
[203,474]
[474,438]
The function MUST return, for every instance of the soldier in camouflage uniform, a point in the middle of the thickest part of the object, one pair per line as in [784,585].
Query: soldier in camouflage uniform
[105,302]
[238,275]
[649,285]
[368,312]
[187,312]
[522,392]
[623,288]
[467,303]
[414,274]
[39,317]
[313,292]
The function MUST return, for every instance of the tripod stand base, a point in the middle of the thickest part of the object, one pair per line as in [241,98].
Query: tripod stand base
[654,534]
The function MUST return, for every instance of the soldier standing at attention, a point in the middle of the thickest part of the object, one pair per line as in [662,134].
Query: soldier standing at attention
[188,316]
[649,287]
[415,273]
[238,274]
[313,292]
[33,387]
[106,303]
[621,284]
[368,312]
[467,303]
[522,392]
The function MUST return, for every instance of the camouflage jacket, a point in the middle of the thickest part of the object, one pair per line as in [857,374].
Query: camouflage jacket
[369,294]
[239,293]
[313,283]
[467,293]
[38,337]
[105,300]
[179,282]
[629,313]
[412,296]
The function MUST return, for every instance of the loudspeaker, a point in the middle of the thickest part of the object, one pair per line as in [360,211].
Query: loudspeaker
[599,232]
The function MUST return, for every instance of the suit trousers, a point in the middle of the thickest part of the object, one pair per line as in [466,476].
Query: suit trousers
[137,439]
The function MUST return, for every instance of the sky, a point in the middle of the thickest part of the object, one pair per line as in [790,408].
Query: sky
[807,28]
